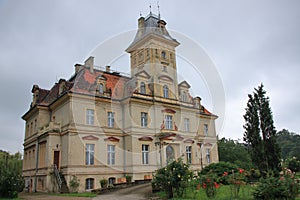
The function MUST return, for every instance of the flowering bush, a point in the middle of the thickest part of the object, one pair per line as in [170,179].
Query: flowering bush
[210,184]
[282,187]
[236,180]
[174,178]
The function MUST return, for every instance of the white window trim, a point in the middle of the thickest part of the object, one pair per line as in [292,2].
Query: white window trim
[111,154]
[90,116]
[145,154]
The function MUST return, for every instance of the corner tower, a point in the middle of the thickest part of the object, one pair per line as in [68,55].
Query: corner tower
[153,58]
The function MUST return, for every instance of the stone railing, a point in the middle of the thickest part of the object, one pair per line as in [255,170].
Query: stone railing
[51,127]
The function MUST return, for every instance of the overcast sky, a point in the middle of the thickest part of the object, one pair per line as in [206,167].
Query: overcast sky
[250,42]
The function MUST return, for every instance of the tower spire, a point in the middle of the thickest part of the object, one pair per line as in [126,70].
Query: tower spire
[150,9]
[158,9]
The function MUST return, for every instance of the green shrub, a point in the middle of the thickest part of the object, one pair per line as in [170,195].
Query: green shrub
[74,184]
[277,188]
[173,179]
[104,183]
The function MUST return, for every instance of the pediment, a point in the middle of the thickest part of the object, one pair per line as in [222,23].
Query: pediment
[184,84]
[112,139]
[143,74]
[145,138]
[165,78]
[169,110]
[90,137]
[189,141]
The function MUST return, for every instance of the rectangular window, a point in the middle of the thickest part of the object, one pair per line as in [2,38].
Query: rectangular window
[208,156]
[110,119]
[145,154]
[89,183]
[144,119]
[188,151]
[169,122]
[205,129]
[186,124]
[90,117]
[89,154]
[111,154]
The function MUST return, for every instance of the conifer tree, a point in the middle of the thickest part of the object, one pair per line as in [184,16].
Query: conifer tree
[260,134]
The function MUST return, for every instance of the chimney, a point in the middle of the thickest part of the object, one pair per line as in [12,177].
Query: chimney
[141,26]
[78,67]
[107,68]
[141,22]
[89,63]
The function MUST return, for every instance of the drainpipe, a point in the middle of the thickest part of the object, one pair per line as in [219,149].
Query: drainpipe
[36,163]
[124,143]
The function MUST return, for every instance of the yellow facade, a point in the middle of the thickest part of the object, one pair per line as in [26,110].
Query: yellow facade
[101,125]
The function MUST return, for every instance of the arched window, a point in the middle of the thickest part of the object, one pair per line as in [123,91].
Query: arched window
[170,154]
[163,54]
[142,88]
[89,183]
[101,88]
[166,91]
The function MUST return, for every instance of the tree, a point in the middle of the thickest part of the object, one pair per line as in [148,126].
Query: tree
[260,134]
[289,143]
[11,181]
[234,152]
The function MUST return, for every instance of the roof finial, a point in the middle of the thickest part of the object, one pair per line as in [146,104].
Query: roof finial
[140,13]
[150,9]
[158,9]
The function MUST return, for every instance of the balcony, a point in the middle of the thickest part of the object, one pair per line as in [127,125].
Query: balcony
[51,127]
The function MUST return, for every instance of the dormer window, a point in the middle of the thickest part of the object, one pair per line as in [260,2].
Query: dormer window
[183,97]
[101,88]
[163,54]
[143,88]
[164,68]
[166,91]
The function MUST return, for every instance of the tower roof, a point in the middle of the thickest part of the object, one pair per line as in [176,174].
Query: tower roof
[151,24]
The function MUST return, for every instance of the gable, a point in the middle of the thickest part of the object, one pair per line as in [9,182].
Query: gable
[184,84]
[143,74]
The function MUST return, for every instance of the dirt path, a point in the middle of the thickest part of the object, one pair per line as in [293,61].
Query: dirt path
[139,192]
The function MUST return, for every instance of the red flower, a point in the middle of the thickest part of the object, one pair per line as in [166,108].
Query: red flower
[208,180]
[241,171]
[204,185]
[225,173]
[216,185]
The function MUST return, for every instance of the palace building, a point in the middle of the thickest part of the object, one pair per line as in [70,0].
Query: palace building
[102,124]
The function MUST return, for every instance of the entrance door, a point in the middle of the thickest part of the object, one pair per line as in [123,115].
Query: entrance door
[56,159]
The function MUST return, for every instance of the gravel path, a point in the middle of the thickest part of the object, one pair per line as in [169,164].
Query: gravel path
[139,192]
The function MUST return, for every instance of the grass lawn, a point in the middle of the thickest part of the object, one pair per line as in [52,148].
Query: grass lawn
[83,194]
[223,193]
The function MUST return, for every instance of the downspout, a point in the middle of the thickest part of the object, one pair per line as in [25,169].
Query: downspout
[124,143]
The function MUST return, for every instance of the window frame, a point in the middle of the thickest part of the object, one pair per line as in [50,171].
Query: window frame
[186,124]
[90,116]
[165,91]
[145,154]
[110,119]
[205,127]
[208,156]
[89,183]
[144,119]
[89,154]
[100,88]
[111,154]
[142,88]
[169,122]
[188,151]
